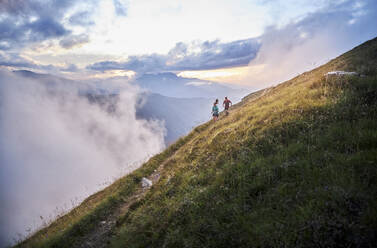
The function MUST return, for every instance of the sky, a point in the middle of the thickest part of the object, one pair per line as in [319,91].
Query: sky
[223,41]
[251,44]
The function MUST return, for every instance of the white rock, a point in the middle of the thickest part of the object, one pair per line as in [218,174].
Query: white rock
[340,73]
[145,182]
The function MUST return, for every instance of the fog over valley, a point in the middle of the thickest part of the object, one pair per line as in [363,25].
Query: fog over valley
[89,133]
[91,89]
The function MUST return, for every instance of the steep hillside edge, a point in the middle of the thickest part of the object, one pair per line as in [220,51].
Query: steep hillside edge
[293,165]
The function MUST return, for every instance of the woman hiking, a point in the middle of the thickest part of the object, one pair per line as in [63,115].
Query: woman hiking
[215,110]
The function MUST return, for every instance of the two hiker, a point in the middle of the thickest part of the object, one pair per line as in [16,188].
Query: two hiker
[215,110]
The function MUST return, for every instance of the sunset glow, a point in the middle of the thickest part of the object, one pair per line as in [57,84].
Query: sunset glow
[91,89]
[226,75]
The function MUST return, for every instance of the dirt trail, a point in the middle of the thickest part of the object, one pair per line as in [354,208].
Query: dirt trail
[101,235]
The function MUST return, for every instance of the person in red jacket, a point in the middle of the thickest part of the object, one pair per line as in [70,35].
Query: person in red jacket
[227,103]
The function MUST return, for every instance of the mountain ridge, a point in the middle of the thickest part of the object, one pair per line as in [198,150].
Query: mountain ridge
[171,85]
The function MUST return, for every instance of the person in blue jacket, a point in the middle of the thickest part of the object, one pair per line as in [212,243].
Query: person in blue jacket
[215,110]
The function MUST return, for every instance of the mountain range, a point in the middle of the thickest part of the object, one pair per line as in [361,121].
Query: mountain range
[181,103]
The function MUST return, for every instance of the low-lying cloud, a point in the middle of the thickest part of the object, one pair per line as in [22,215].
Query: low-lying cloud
[193,56]
[57,148]
[14,60]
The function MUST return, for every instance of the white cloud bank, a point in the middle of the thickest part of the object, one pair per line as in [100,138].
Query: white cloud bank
[57,148]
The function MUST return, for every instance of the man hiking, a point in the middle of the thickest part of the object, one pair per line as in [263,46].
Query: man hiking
[227,103]
[215,110]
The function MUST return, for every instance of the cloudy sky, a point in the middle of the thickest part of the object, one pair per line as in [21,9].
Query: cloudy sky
[227,41]
[251,43]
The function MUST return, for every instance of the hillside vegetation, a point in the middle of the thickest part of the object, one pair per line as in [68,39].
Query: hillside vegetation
[291,166]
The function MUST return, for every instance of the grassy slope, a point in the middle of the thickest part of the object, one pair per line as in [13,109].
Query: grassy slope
[295,167]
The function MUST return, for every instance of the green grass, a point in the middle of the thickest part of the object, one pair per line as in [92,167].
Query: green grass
[294,167]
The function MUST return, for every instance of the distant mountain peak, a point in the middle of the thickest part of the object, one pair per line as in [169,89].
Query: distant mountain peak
[27,73]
